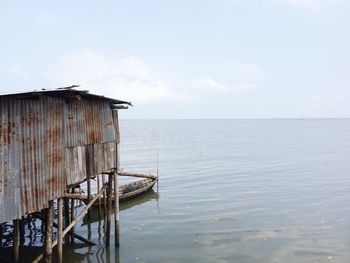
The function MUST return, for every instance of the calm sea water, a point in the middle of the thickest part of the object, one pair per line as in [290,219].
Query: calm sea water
[233,191]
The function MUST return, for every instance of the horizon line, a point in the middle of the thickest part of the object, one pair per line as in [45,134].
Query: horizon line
[270,118]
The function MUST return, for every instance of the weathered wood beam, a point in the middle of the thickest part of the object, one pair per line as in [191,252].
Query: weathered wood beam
[75,196]
[121,173]
[118,107]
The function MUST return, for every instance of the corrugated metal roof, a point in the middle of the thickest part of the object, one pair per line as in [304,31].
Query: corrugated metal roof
[64,92]
[47,143]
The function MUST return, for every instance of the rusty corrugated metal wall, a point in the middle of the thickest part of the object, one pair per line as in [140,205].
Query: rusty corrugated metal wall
[47,143]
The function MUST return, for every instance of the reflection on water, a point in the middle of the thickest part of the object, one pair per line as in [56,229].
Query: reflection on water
[98,211]
[32,239]
[231,191]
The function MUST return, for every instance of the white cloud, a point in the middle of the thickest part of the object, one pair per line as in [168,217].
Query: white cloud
[42,16]
[314,5]
[208,84]
[250,68]
[340,96]
[244,77]
[126,78]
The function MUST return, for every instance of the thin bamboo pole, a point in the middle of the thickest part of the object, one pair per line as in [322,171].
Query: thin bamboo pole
[109,209]
[157,170]
[59,230]
[16,240]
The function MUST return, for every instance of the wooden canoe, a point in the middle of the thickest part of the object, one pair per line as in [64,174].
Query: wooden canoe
[131,190]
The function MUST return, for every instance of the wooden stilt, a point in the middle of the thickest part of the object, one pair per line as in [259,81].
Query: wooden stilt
[104,196]
[43,224]
[116,210]
[21,231]
[0,235]
[116,198]
[109,209]
[59,231]
[72,209]
[48,232]
[89,194]
[66,217]
[99,198]
[16,240]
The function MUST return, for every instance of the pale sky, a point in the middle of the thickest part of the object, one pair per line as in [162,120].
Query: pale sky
[185,59]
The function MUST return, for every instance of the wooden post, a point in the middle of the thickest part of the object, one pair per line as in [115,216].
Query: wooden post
[109,209]
[116,210]
[66,217]
[59,231]
[0,235]
[104,195]
[16,240]
[72,204]
[22,231]
[89,194]
[99,197]
[48,232]
[116,198]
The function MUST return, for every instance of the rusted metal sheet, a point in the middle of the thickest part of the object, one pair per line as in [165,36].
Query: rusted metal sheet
[32,159]
[49,142]
[89,161]
[88,122]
